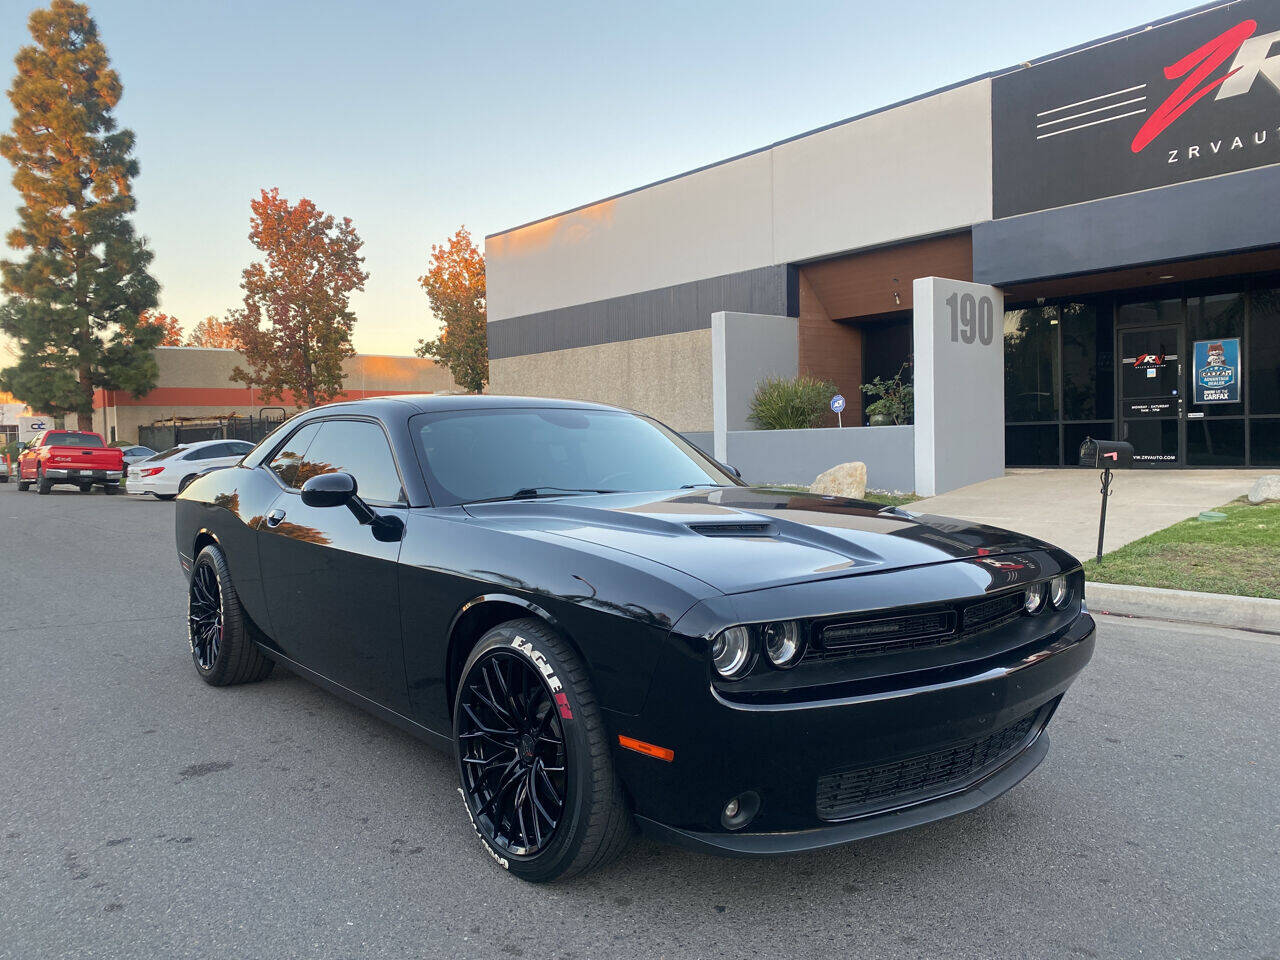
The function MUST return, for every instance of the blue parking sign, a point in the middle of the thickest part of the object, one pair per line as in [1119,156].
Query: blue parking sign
[837,403]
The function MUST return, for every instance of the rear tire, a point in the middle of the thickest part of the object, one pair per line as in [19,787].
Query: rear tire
[110,488]
[222,646]
[23,485]
[550,727]
[43,484]
[164,496]
[85,487]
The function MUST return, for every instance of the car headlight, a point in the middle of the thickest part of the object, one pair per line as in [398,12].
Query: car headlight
[1035,598]
[731,652]
[781,642]
[1059,591]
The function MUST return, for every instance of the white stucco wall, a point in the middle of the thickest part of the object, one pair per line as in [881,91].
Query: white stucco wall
[917,169]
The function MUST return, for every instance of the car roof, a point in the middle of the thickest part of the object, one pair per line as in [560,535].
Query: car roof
[433,402]
[196,445]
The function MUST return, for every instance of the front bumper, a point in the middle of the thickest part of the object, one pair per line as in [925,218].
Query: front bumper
[781,752]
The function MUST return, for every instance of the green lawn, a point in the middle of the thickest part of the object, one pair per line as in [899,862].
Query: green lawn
[1239,555]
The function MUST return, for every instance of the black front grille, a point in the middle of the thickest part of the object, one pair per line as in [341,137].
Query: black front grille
[880,633]
[856,792]
[990,612]
[889,633]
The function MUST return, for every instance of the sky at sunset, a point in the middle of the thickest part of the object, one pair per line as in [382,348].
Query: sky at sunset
[413,118]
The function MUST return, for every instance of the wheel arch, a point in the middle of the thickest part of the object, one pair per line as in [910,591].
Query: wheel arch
[204,537]
[477,617]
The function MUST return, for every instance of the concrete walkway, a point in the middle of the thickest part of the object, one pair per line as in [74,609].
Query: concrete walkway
[1061,506]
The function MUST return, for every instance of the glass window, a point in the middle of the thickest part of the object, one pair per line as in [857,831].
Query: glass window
[1074,434]
[212,452]
[1215,443]
[73,440]
[1264,442]
[1088,362]
[1031,364]
[477,455]
[1212,318]
[359,448]
[1031,446]
[1263,352]
[168,454]
[286,462]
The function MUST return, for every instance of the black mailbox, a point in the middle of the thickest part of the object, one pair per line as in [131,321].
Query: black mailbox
[1106,454]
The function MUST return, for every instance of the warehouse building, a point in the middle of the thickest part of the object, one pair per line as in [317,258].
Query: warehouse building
[1111,208]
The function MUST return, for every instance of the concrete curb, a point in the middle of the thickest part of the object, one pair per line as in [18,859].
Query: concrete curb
[1218,609]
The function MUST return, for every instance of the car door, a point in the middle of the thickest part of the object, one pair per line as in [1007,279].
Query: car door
[331,586]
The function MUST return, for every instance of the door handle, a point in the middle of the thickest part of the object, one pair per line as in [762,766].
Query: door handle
[274,517]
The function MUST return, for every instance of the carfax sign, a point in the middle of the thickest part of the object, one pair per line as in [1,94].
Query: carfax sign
[1217,371]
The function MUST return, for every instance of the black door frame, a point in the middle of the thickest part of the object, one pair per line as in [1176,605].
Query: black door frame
[1180,326]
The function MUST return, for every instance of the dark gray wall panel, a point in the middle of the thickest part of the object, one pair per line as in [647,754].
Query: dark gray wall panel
[651,313]
[1205,217]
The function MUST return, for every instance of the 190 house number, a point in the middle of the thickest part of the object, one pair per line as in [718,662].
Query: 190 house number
[972,318]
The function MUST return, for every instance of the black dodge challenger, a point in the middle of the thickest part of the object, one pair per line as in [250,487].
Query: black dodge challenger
[608,629]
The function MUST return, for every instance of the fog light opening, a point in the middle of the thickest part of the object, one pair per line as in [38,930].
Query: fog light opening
[740,810]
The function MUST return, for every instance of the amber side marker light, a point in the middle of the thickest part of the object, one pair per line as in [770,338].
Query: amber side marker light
[648,749]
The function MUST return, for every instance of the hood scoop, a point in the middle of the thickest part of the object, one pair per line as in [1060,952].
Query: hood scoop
[747,529]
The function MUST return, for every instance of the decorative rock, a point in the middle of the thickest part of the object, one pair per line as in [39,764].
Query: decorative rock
[1267,488]
[842,480]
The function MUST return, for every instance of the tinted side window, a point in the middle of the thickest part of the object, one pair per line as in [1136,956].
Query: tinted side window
[360,449]
[211,452]
[287,461]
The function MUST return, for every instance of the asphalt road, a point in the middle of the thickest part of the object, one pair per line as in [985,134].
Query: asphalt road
[148,815]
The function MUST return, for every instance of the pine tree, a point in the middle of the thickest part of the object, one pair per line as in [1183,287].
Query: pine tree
[73,304]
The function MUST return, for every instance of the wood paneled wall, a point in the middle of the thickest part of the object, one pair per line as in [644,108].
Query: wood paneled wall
[831,351]
[864,285]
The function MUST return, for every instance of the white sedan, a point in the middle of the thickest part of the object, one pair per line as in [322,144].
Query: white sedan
[167,474]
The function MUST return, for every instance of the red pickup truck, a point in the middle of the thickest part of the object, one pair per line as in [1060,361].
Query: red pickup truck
[70,456]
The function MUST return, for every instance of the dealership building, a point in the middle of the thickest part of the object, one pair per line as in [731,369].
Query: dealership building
[1083,245]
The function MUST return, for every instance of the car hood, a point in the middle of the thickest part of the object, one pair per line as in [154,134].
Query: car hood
[746,538]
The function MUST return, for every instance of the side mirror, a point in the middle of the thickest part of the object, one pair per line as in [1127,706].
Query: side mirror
[329,490]
[341,490]
[732,469]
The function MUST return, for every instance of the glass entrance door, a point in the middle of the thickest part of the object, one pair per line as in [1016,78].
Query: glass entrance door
[1151,402]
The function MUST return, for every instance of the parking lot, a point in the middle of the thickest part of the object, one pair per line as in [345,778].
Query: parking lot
[148,815]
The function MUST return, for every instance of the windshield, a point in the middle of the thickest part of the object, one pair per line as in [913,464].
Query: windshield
[74,440]
[486,454]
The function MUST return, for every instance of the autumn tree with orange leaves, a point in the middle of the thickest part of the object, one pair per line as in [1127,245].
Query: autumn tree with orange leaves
[455,287]
[295,326]
[212,332]
[172,336]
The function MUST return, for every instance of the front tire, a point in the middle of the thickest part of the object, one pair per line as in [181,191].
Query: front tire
[218,630]
[534,757]
[164,496]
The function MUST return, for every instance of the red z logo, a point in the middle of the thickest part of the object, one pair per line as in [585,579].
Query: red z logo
[1204,61]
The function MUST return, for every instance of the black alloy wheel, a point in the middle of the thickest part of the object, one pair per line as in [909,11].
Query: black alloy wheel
[535,765]
[512,750]
[204,616]
[218,630]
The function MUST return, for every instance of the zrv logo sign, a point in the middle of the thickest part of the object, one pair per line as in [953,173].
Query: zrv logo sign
[1197,97]
[1253,59]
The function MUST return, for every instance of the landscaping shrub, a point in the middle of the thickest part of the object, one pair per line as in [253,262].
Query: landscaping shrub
[791,404]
